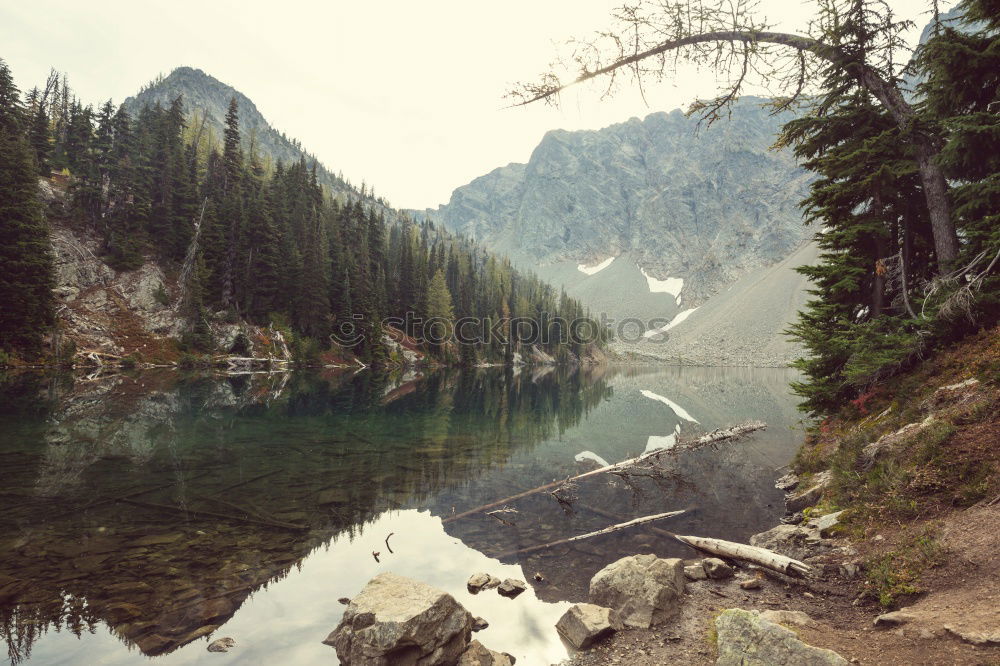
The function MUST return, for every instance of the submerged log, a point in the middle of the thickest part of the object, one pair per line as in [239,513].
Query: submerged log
[739,551]
[581,537]
[714,437]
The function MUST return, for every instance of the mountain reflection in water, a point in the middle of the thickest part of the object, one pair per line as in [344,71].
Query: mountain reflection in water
[170,509]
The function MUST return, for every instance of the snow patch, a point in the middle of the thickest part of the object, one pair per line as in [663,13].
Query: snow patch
[590,455]
[658,442]
[681,316]
[670,286]
[677,409]
[593,270]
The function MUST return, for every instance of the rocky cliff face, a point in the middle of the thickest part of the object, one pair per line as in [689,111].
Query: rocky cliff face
[110,315]
[682,211]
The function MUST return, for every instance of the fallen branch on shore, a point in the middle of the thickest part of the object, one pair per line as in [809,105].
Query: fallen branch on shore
[739,551]
[607,530]
[722,435]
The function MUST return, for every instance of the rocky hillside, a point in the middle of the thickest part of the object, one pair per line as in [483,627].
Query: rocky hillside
[742,326]
[644,218]
[133,317]
[203,94]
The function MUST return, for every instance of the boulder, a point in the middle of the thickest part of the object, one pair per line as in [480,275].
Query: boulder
[398,621]
[511,587]
[828,524]
[893,619]
[481,581]
[988,636]
[478,654]
[716,569]
[221,644]
[795,541]
[810,495]
[585,624]
[788,482]
[695,572]
[747,639]
[644,589]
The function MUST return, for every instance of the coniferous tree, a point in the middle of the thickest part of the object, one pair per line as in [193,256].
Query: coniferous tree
[26,275]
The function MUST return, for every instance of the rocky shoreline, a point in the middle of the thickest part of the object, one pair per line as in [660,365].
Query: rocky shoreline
[644,609]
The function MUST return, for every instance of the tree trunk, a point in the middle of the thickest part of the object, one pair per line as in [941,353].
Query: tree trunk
[938,207]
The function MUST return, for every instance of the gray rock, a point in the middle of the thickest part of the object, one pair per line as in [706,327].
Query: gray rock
[747,639]
[788,482]
[809,496]
[850,570]
[396,620]
[973,636]
[585,624]
[479,655]
[827,524]
[221,644]
[479,624]
[644,589]
[716,569]
[788,617]
[511,587]
[791,540]
[893,619]
[695,572]
[481,581]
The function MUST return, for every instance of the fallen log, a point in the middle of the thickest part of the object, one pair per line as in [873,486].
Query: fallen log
[739,551]
[581,537]
[714,437]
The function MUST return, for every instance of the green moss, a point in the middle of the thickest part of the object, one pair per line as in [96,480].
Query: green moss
[896,575]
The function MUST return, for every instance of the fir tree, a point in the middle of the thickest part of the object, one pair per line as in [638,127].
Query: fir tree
[26,277]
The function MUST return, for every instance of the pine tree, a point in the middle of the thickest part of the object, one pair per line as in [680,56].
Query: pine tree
[439,312]
[961,66]
[26,275]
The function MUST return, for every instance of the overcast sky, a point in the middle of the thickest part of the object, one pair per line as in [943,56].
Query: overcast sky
[402,94]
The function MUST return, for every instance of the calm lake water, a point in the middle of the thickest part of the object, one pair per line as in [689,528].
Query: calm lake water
[145,515]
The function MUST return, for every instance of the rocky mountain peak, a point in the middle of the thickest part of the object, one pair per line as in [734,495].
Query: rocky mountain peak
[669,199]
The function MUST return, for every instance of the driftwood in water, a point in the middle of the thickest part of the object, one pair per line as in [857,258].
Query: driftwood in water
[613,516]
[581,537]
[739,551]
[714,437]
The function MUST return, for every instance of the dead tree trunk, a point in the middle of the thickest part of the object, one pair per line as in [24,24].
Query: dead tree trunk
[739,551]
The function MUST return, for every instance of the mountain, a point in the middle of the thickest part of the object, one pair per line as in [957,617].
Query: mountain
[204,94]
[741,326]
[645,218]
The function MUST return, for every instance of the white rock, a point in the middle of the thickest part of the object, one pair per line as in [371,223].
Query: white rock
[644,589]
[396,620]
[585,624]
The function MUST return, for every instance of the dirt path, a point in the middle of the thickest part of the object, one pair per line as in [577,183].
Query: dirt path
[964,594]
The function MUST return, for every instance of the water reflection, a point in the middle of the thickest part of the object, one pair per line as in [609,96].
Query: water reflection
[157,509]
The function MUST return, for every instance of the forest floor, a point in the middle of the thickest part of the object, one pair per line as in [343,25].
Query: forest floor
[916,465]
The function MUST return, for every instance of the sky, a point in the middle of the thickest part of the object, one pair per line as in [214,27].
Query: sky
[405,96]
